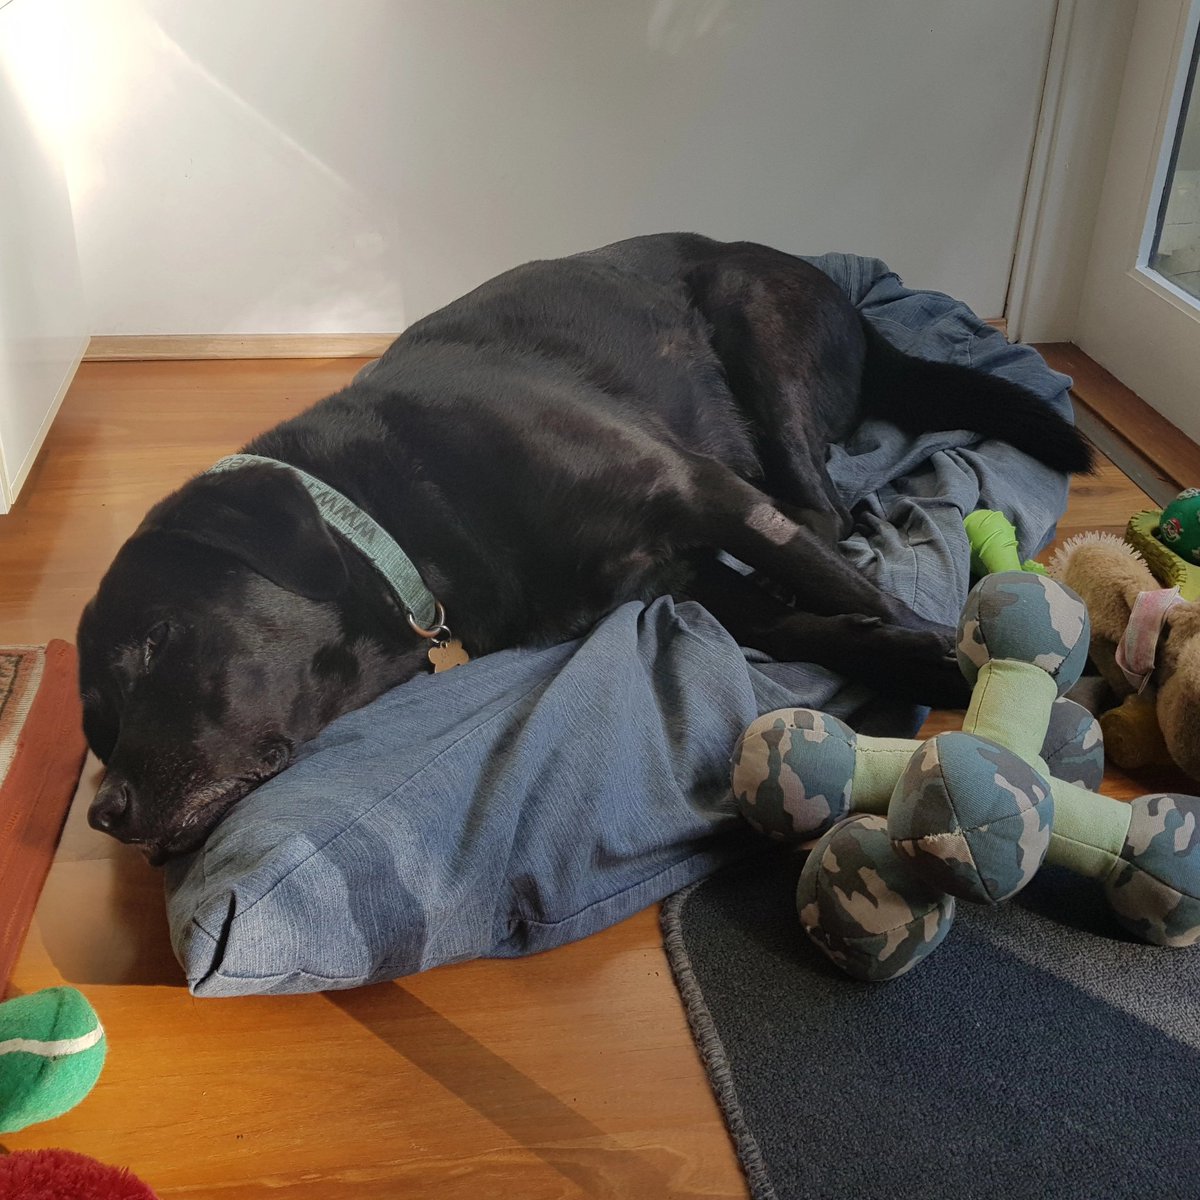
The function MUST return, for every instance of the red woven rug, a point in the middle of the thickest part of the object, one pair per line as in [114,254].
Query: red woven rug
[41,756]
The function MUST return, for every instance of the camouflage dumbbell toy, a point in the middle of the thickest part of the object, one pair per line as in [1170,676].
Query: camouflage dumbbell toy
[968,815]
[1145,853]
[872,893]
[783,751]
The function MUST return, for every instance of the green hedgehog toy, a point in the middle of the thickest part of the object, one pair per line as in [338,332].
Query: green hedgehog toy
[1179,525]
[1169,541]
[52,1047]
[906,826]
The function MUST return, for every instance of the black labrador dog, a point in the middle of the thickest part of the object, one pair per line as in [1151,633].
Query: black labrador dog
[571,435]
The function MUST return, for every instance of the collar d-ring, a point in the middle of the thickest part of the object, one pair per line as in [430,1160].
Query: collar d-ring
[439,624]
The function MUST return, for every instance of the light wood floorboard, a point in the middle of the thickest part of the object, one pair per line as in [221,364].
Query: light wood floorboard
[567,1074]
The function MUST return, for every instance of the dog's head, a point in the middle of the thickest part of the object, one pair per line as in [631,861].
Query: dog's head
[224,634]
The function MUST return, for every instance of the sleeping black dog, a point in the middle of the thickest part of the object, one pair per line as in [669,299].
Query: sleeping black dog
[574,434]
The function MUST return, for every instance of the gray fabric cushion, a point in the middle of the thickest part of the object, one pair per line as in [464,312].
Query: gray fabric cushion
[534,796]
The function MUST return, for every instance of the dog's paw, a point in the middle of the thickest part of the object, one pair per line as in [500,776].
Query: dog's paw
[922,667]
[947,687]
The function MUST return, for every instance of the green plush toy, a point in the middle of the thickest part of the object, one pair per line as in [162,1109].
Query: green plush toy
[52,1047]
[908,826]
[1179,525]
[1145,534]
[993,542]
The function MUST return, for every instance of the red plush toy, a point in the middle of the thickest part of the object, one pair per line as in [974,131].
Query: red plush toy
[65,1175]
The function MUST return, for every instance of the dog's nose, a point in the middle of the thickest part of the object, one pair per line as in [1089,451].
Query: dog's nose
[110,807]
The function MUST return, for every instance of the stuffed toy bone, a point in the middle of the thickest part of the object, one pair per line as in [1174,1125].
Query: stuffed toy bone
[908,826]
[1145,645]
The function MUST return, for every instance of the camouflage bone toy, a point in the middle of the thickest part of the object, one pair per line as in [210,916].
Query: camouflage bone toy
[908,825]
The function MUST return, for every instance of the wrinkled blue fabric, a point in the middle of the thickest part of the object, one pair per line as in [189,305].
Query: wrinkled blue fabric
[532,797]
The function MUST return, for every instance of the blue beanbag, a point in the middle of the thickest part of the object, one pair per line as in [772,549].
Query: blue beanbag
[534,796]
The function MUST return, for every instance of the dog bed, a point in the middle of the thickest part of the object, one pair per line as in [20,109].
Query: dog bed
[534,796]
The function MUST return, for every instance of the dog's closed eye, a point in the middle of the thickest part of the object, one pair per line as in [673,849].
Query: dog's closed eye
[155,640]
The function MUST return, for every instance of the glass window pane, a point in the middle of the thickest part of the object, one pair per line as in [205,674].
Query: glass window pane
[1176,250]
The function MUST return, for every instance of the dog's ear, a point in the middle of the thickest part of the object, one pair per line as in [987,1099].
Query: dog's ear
[265,518]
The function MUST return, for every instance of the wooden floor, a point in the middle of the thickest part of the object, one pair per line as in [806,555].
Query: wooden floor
[566,1074]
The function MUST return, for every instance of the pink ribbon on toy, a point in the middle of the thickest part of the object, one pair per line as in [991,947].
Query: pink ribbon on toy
[1139,643]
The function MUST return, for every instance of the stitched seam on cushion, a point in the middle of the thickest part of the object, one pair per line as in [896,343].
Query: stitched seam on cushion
[339,979]
[383,800]
[197,924]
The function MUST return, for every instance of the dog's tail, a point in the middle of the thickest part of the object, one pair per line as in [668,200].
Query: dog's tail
[922,396]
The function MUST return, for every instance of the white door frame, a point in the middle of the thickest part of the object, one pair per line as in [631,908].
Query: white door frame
[1086,63]
[1131,320]
[1114,85]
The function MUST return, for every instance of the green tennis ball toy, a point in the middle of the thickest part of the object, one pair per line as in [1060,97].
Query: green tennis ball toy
[52,1047]
[1179,525]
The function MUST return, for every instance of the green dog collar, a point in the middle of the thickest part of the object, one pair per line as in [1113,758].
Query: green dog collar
[363,532]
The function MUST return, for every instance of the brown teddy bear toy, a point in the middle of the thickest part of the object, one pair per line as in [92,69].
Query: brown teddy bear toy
[1146,645]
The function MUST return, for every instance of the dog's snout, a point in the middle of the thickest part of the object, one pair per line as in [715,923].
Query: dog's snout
[111,808]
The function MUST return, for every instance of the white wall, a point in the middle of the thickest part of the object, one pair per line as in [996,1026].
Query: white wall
[43,323]
[266,166]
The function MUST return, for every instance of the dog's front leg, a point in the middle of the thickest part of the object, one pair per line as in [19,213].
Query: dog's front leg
[914,665]
[727,513]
